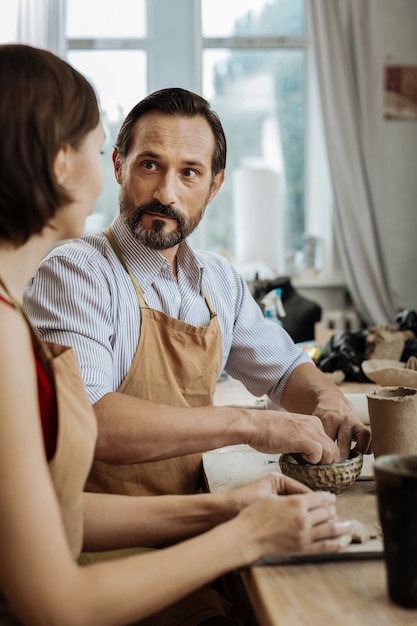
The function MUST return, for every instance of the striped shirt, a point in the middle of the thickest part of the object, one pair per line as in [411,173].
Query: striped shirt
[81,296]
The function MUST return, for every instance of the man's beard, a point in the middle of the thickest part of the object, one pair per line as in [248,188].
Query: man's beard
[155,237]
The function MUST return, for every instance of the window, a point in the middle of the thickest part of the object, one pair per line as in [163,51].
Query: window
[8,21]
[106,42]
[254,74]
[250,60]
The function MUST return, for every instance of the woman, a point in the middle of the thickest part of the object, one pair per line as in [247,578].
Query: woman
[50,176]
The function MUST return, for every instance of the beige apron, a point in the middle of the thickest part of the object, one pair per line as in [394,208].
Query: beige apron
[176,364]
[69,467]
[77,432]
[158,375]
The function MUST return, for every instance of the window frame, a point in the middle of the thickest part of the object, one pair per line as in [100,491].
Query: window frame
[162,67]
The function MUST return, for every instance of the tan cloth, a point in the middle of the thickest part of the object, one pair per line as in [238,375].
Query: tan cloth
[77,432]
[158,375]
[386,342]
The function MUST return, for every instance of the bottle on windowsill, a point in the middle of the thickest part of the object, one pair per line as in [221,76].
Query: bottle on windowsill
[279,304]
[274,308]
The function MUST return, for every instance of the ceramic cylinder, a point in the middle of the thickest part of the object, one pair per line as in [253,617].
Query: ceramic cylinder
[396,483]
[393,419]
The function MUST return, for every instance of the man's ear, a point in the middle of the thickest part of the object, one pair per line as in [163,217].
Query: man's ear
[117,164]
[215,185]
[61,164]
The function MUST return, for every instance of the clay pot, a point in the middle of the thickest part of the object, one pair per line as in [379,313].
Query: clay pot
[333,477]
[393,419]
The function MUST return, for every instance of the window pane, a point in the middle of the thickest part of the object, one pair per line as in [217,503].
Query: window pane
[260,98]
[222,18]
[106,18]
[8,21]
[119,77]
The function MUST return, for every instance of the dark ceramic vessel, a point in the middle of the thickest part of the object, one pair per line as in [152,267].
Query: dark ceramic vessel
[396,482]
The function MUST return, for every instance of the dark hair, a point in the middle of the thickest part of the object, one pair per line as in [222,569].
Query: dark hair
[175,101]
[44,105]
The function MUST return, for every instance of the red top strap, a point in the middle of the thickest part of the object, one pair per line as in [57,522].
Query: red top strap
[6,301]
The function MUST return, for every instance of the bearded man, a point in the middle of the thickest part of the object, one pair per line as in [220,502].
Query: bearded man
[154,322]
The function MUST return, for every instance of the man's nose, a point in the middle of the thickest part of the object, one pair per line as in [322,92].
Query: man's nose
[165,191]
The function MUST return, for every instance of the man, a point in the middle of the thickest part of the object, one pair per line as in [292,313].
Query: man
[153,322]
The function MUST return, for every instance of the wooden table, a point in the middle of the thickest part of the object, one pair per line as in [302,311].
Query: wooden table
[231,392]
[331,593]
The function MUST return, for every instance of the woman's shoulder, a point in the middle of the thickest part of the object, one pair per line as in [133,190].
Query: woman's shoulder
[15,338]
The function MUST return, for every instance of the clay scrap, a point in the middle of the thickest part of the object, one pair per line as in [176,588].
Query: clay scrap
[361,533]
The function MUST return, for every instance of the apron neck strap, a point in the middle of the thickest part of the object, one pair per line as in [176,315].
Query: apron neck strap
[119,254]
[13,300]
[40,345]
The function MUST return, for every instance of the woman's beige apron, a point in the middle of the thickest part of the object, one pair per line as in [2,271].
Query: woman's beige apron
[176,364]
[77,432]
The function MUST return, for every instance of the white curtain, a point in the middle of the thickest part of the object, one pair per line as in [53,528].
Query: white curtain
[346,41]
[41,23]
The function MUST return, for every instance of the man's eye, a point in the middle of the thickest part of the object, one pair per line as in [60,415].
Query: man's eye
[148,165]
[190,173]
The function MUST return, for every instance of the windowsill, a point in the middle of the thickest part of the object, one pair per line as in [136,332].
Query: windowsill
[317,281]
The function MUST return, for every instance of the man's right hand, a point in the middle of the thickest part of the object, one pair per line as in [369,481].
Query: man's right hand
[282,432]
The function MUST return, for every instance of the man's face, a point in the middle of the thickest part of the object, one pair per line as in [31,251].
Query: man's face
[166,179]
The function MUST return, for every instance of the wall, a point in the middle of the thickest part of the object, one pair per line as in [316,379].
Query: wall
[398,219]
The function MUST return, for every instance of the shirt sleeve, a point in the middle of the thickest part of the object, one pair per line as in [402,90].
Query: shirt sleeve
[262,354]
[83,322]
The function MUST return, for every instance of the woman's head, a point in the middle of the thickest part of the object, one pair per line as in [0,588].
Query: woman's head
[45,105]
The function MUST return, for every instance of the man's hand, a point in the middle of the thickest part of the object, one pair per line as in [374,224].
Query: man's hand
[342,424]
[309,391]
[282,432]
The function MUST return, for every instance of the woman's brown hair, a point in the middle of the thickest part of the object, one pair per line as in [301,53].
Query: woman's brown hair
[44,104]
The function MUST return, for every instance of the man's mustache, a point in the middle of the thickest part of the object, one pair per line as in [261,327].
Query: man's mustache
[157,207]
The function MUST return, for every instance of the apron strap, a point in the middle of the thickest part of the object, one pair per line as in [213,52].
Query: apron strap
[141,297]
[208,302]
[119,254]
[41,346]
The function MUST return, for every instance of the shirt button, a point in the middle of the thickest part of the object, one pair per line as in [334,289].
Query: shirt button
[177,300]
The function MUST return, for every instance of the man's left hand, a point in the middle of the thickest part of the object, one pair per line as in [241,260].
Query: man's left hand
[342,423]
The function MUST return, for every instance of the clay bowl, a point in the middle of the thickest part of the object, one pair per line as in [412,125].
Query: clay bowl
[334,477]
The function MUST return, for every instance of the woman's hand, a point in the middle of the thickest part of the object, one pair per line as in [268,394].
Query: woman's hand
[271,485]
[303,523]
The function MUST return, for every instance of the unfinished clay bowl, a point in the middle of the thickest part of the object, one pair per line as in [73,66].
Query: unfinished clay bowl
[333,477]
